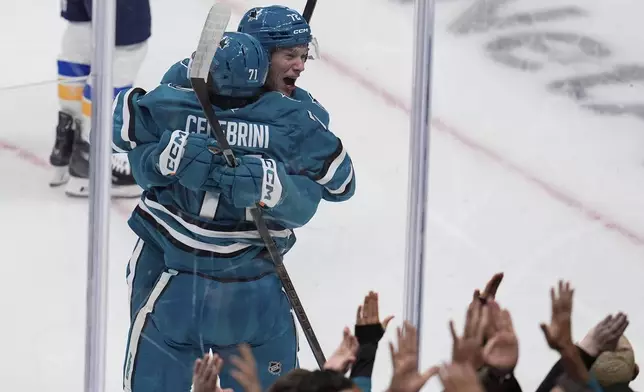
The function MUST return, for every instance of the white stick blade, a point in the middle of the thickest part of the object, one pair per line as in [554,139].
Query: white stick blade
[213,30]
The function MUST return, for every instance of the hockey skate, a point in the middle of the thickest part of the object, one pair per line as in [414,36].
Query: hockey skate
[62,151]
[123,183]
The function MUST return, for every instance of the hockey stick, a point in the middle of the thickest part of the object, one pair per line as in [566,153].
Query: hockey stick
[200,78]
[308,10]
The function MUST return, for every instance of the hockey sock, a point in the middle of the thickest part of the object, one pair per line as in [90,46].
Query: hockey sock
[71,81]
[127,62]
[87,106]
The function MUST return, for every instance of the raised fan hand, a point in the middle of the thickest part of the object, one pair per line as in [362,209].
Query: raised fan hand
[369,313]
[489,294]
[206,374]
[406,377]
[459,377]
[345,355]
[605,335]
[501,351]
[245,372]
[492,286]
[468,348]
[558,333]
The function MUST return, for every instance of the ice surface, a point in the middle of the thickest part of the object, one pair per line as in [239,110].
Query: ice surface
[523,180]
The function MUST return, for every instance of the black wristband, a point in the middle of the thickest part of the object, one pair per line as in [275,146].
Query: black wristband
[371,333]
[588,359]
[363,367]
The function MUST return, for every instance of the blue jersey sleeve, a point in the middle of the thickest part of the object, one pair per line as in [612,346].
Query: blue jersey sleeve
[300,200]
[135,132]
[132,124]
[144,164]
[325,160]
[363,383]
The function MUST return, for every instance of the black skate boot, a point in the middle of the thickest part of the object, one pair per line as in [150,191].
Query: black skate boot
[62,151]
[78,184]
[123,184]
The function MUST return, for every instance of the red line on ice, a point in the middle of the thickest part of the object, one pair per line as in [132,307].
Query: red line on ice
[37,161]
[441,125]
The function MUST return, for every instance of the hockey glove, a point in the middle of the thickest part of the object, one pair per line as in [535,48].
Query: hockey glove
[186,156]
[254,180]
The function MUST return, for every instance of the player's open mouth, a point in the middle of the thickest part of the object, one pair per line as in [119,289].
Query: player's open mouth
[289,81]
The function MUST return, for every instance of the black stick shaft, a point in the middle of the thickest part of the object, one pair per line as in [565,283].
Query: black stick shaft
[308,10]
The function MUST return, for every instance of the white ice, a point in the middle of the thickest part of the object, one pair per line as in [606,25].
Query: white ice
[521,181]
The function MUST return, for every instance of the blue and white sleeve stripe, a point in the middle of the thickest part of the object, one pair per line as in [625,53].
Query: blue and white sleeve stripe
[337,175]
[124,137]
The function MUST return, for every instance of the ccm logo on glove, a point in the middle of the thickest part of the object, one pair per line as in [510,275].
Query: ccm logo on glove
[271,185]
[171,155]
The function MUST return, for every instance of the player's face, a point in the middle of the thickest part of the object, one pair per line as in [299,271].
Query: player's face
[286,66]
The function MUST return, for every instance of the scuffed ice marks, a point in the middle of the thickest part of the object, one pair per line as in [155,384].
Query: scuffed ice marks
[546,43]
[579,88]
[483,16]
[523,31]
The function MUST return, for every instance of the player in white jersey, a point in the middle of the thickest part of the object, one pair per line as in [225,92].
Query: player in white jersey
[70,154]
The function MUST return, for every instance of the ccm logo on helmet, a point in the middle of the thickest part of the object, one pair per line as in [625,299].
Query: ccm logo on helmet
[300,31]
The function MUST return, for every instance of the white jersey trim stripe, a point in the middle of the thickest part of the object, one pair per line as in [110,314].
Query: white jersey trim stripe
[134,259]
[342,187]
[126,119]
[194,244]
[139,324]
[254,234]
[333,168]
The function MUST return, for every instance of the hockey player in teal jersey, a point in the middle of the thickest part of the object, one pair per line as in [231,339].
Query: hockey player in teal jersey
[286,36]
[217,286]
[281,31]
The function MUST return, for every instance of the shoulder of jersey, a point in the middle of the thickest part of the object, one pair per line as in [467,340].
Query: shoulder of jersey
[276,103]
[170,92]
[301,94]
[305,96]
[177,73]
[169,97]
[294,103]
